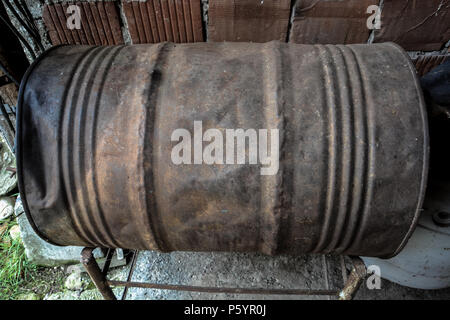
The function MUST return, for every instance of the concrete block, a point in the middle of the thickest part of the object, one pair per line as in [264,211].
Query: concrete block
[41,252]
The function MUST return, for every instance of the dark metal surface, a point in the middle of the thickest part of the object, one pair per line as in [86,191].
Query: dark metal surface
[4,80]
[94,148]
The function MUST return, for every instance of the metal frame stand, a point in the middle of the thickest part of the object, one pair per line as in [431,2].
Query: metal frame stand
[100,279]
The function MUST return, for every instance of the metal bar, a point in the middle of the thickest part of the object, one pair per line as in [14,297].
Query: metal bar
[92,268]
[354,281]
[6,116]
[130,274]
[109,256]
[343,268]
[28,27]
[221,290]
[325,272]
[19,36]
[5,80]
[3,69]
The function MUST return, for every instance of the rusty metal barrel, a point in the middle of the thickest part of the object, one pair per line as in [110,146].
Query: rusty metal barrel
[95,142]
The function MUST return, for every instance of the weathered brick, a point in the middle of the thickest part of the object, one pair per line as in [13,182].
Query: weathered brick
[415,25]
[331,21]
[248,20]
[99,23]
[155,21]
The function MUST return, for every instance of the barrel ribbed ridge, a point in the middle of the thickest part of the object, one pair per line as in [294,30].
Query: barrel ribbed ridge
[90,112]
[359,147]
[77,136]
[270,184]
[154,234]
[369,158]
[348,140]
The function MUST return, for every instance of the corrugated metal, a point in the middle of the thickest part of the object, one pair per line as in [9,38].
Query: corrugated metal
[155,21]
[99,23]
[425,64]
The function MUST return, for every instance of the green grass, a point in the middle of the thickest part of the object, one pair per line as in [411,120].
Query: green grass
[15,269]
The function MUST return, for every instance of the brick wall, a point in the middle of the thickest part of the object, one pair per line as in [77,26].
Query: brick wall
[421,27]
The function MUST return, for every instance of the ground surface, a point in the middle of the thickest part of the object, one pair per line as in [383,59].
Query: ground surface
[242,270]
[255,270]
[220,269]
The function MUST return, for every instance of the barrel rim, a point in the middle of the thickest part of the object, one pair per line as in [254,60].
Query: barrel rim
[18,144]
[426,150]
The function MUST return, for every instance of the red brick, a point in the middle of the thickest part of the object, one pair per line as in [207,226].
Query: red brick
[331,22]
[155,21]
[99,24]
[248,20]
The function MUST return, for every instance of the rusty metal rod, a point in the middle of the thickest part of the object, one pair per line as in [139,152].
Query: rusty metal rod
[355,279]
[130,274]
[222,290]
[109,256]
[6,116]
[94,271]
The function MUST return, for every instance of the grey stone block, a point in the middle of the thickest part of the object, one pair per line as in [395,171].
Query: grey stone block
[6,207]
[41,252]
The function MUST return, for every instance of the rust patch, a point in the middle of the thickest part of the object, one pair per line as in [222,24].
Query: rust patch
[106,175]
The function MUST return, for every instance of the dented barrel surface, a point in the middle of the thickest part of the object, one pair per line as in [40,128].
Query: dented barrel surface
[94,147]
